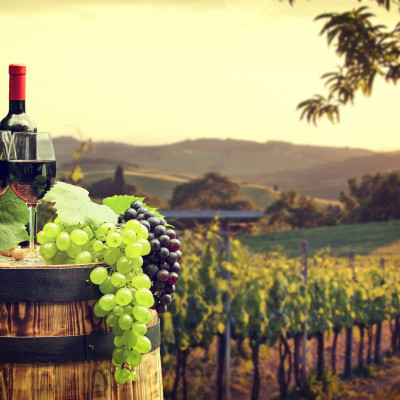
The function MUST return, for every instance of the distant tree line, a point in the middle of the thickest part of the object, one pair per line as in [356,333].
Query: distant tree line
[373,198]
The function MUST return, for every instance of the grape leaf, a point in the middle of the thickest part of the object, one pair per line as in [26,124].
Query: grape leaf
[14,215]
[74,206]
[120,204]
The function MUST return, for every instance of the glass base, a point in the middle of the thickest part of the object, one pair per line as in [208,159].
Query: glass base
[31,260]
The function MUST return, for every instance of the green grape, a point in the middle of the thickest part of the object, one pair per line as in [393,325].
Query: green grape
[129,339]
[133,225]
[113,239]
[146,246]
[57,220]
[129,276]
[87,247]
[111,255]
[98,245]
[125,321]
[98,311]
[137,262]
[52,230]
[108,302]
[120,354]
[83,258]
[115,363]
[112,319]
[63,241]
[74,250]
[59,258]
[121,375]
[107,287]
[103,229]
[124,296]
[128,236]
[133,250]
[141,281]
[128,309]
[79,236]
[143,345]
[144,297]
[143,233]
[141,313]
[133,291]
[89,232]
[134,358]
[124,264]
[139,329]
[117,331]
[99,275]
[70,228]
[118,341]
[42,237]
[118,310]
[133,375]
[118,279]
[48,250]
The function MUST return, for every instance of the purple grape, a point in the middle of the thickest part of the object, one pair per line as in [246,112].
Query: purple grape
[173,277]
[179,255]
[159,230]
[136,205]
[161,309]
[155,245]
[172,257]
[165,300]
[164,240]
[164,276]
[174,245]
[165,265]
[176,267]
[159,285]
[130,213]
[171,233]
[170,289]
[163,253]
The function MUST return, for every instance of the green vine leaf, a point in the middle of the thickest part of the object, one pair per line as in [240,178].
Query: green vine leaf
[14,215]
[73,206]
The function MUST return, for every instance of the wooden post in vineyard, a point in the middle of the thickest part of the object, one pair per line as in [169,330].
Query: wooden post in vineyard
[227,307]
[304,258]
[378,335]
[349,330]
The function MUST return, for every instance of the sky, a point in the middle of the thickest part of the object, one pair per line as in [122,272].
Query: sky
[150,72]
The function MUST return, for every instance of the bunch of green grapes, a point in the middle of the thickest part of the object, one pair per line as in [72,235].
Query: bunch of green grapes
[126,289]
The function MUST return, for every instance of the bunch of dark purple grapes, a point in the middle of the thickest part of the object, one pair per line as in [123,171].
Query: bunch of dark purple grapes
[162,264]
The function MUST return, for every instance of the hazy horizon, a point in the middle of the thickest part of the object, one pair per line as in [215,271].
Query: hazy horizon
[172,70]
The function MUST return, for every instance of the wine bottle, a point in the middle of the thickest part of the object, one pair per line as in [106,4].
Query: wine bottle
[17,120]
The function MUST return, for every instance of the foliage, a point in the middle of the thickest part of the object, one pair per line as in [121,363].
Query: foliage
[73,206]
[211,192]
[299,211]
[112,186]
[375,198]
[14,215]
[367,51]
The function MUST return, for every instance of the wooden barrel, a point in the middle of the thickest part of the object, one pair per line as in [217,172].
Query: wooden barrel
[52,346]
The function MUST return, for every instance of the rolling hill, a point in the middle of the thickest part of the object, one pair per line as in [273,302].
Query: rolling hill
[314,170]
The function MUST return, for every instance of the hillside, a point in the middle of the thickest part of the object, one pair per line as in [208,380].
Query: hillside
[314,170]
[374,238]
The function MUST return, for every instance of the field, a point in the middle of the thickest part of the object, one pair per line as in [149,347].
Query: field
[365,239]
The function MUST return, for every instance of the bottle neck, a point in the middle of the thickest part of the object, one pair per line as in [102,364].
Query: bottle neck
[16,106]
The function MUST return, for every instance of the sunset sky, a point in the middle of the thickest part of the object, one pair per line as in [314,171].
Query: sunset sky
[151,72]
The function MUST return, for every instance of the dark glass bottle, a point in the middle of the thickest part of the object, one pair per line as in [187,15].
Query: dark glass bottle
[17,120]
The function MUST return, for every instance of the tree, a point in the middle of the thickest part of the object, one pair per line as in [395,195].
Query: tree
[367,51]
[294,209]
[211,192]
[375,198]
[119,185]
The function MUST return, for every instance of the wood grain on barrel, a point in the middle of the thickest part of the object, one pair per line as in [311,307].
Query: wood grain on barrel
[88,380]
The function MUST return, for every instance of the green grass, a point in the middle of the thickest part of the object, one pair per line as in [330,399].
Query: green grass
[363,238]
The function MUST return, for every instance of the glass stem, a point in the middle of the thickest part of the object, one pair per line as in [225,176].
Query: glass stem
[32,213]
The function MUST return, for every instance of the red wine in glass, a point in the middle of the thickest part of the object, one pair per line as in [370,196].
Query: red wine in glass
[32,170]
[31,179]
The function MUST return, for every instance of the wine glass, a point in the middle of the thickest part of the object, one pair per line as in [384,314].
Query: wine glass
[32,171]
[5,137]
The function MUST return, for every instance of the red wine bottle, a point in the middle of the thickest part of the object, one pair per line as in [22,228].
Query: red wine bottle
[17,120]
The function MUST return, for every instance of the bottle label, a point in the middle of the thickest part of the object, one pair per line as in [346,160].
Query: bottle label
[17,82]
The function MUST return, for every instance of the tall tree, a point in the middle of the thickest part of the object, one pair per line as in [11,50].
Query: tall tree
[368,51]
